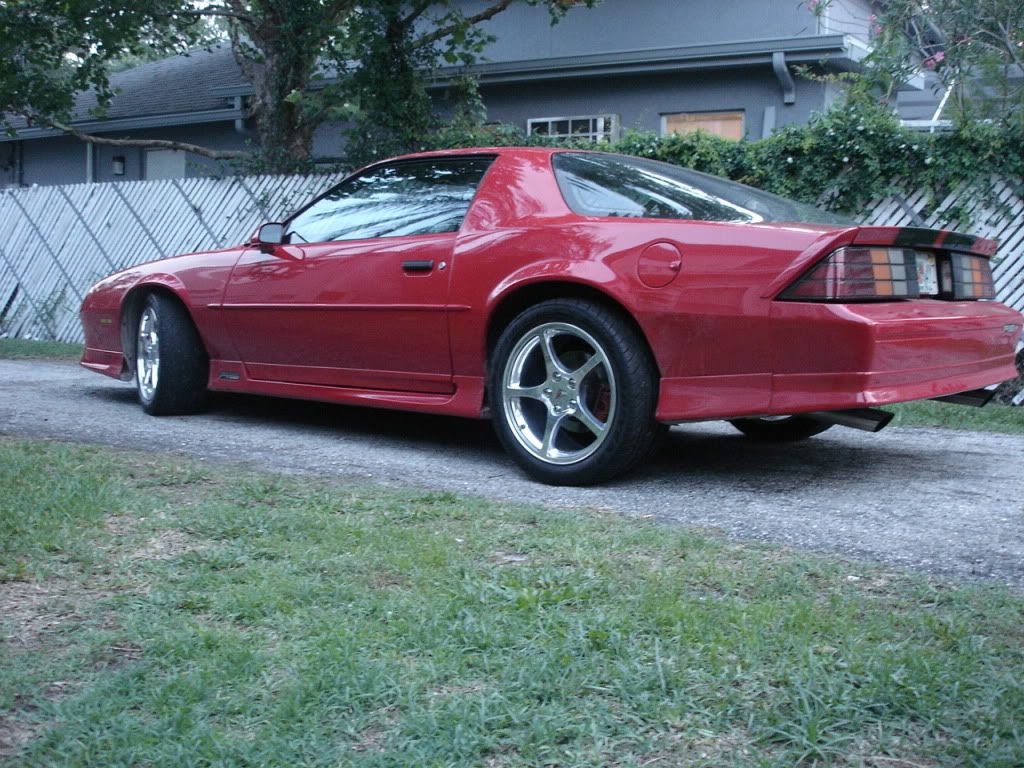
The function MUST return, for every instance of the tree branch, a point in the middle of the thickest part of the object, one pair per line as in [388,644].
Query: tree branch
[442,32]
[195,149]
[418,10]
[207,12]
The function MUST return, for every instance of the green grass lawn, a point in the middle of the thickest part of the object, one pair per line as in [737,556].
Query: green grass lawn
[928,413]
[157,611]
[15,349]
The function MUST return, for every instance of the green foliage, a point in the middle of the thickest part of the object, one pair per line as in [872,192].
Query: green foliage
[50,51]
[391,110]
[842,159]
[973,46]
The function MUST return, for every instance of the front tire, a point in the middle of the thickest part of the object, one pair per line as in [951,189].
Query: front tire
[787,429]
[171,365]
[573,390]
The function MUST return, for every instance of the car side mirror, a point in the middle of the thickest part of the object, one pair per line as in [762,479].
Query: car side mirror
[270,234]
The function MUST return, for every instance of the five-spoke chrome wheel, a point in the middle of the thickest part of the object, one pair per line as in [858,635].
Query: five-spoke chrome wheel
[147,361]
[558,393]
[572,387]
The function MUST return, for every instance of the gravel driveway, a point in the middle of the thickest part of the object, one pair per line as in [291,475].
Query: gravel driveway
[940,501]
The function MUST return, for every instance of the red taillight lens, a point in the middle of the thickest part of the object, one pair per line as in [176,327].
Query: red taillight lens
[859,274]
[972,277]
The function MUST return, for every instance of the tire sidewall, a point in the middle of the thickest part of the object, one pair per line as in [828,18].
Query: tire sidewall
[184,364]
[632,427]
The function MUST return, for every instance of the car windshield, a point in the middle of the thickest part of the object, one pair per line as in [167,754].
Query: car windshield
[597,184]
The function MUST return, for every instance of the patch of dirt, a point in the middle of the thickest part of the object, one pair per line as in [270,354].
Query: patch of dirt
[457,690]
[387,578]
[508,558]
[166,545]
[883,761]
[677,749]
[14,735]
[117,656]
[372,739]
[37,610]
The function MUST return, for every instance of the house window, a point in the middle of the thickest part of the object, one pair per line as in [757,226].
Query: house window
[165,164]
[591,127]
[728,125]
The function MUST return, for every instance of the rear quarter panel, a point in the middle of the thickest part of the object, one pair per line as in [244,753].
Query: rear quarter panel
[712,319]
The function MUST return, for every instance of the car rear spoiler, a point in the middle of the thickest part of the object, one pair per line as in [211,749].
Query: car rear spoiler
[918,237]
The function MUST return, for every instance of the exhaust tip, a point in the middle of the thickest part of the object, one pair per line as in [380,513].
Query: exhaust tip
[976,398]
[865,419]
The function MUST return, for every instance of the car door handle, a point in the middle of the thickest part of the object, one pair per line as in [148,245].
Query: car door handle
[418,266]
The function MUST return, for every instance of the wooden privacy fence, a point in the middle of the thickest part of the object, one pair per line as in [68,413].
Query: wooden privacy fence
[57,241]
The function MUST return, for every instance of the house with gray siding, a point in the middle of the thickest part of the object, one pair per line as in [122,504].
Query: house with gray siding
[665,66]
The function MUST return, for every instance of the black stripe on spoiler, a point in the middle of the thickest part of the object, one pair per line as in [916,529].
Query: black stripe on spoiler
[910,237]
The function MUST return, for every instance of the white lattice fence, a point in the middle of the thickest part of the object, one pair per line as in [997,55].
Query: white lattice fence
[994,210]
[59,240]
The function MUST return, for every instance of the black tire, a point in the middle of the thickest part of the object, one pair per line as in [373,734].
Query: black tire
[604,422]
[178,385]
[787,430]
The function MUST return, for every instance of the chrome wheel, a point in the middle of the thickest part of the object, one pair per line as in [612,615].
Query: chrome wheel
[558,393]
[147,360]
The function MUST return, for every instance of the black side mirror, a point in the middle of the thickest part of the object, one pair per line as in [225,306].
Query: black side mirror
[270,234]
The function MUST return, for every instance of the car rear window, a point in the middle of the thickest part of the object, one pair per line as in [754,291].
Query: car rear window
[597,184]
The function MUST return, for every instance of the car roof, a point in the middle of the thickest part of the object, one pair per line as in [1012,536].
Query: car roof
[519,151]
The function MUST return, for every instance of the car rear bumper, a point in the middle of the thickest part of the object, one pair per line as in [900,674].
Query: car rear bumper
[838,356]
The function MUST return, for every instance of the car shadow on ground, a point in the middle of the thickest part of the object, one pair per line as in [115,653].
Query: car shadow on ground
[715,454]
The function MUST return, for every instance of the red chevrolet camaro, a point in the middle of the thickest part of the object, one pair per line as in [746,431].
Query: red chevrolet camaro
[584,300]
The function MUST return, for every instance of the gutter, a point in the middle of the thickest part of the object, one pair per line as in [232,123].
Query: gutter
[136,123]
[840,51]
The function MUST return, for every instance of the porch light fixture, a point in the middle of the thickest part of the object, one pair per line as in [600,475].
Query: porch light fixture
[117,165]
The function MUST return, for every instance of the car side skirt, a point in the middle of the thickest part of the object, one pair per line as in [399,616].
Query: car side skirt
[466,400]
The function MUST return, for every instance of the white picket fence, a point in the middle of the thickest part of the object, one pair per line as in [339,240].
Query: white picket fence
[57,241]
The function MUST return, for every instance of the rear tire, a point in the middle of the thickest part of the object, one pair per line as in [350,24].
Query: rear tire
[573,390]
[785,430]
[171,365]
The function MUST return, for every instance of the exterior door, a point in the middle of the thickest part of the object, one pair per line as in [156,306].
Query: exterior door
[358,295]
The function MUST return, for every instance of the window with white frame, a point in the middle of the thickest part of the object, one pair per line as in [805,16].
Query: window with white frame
[587,127]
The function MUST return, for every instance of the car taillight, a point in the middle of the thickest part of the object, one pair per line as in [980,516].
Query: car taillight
[972,277]
[859,274]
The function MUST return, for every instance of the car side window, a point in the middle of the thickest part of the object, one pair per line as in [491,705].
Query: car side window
[412,197]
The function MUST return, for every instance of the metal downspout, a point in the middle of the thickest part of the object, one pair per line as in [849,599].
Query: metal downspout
[782,74]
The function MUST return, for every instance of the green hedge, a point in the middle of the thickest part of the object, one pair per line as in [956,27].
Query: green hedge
[842,159]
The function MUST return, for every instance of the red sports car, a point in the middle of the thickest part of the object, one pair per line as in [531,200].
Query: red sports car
[584,300]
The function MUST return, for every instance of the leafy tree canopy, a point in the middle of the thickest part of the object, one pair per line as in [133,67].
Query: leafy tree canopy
[974,47]
[310,61]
